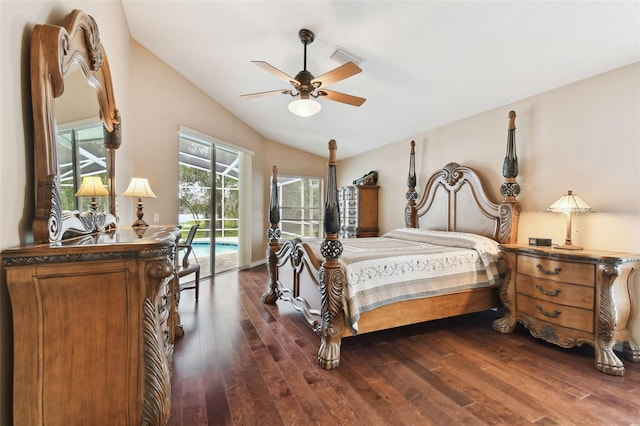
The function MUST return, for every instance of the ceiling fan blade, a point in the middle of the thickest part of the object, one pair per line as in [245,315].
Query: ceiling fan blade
[337,74]
[271,92]
[275,71]
[341,97]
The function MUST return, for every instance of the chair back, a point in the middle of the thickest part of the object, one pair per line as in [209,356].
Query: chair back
[185,268]
[191,234]
[186,245]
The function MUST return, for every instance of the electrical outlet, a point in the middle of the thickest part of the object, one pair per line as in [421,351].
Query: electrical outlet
[156,217]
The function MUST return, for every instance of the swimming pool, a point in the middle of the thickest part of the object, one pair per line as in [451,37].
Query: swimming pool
[203,248]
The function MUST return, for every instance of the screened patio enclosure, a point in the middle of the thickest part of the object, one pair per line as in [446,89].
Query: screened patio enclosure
[203,166]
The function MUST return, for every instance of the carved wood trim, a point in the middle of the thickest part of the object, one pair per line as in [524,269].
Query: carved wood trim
[86,256]
[156,407]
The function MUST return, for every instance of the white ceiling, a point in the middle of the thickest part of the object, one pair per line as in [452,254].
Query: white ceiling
[426,63]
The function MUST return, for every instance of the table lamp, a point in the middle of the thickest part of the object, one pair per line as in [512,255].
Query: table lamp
[93,187]
[568,204]
[139,187]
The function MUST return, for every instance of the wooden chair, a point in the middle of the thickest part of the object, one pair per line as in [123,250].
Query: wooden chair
[185,267]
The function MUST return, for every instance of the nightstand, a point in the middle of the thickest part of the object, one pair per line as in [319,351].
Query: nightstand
[572,297]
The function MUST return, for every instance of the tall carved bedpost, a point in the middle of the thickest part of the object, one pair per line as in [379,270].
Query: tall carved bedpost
[509,208]
[271,295]
[332,275]
[410,213]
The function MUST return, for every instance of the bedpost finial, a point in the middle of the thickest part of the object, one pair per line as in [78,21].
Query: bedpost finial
[333,147]
[274,174]
[510,188]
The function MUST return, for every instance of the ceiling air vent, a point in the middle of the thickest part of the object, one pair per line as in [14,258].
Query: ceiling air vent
[343,56]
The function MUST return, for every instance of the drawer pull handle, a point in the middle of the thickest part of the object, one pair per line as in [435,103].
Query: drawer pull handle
[554,272]
[548,314]
[547,292]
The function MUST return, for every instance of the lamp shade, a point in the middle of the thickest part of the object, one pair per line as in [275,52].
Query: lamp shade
[92,186]
[139,187]
[569,203]
[304,107]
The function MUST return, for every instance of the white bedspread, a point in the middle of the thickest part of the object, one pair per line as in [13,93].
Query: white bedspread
[410,263]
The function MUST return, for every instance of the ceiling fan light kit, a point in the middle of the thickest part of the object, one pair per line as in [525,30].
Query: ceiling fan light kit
[306,86]
[304,107]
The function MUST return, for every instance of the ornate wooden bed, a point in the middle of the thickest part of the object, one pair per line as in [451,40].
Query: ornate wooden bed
[454,199]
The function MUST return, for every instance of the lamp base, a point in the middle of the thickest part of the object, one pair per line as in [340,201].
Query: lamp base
[140,224]
[568,247]
[140,230]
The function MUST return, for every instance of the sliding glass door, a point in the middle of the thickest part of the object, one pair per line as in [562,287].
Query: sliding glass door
[209,195]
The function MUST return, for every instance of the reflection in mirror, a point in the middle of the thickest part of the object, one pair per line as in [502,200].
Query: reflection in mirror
[81,153]
[63,59]
[81,149]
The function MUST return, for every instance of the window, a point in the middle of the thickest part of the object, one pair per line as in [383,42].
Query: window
[300,206]
[81,153]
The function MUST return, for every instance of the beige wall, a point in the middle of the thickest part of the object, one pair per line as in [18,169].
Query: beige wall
[584,137]
[162,101]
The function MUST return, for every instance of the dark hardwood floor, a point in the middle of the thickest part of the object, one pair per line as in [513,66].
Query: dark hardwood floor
[243,363]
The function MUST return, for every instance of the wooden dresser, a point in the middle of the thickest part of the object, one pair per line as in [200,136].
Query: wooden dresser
[573,297]
[358,211]
[93,325]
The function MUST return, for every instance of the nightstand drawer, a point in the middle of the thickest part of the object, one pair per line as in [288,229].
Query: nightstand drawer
[561,315]
[553,291]
[557,270]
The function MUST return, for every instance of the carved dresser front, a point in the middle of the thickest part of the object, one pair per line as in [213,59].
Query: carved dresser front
[94,319]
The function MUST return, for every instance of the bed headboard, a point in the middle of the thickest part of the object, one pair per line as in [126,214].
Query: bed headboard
[454,199]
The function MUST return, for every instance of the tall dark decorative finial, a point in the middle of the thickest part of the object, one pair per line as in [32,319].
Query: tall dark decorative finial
[411,195]
[331,208]
[274,209]
[273,233]
[331,247]
[510,188]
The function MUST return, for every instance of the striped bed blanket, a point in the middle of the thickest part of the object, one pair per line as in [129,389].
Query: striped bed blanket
[410,263]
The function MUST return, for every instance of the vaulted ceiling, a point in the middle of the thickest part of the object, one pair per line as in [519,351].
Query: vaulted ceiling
[424,63]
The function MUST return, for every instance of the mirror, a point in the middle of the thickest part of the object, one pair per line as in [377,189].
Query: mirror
[60,57]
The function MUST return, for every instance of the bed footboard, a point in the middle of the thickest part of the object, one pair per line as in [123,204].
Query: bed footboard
[293,268]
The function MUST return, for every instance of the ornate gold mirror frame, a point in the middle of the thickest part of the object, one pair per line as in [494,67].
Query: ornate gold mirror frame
[54,52]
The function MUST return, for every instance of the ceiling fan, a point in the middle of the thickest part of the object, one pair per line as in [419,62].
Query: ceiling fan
[306,87]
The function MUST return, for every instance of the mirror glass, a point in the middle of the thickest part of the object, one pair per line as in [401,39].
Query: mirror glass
[81,150]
